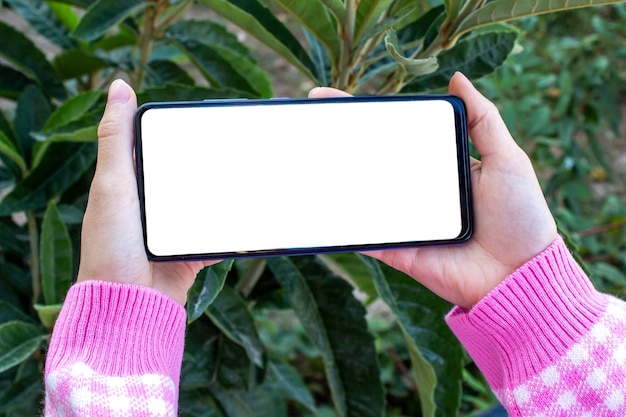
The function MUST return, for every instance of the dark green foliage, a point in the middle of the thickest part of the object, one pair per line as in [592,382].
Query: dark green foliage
[302,336]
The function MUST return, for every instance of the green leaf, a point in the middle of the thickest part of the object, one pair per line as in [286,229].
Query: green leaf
[198,404]
[103,15]
[62,165]
[221,65]
[8,312]
[261,23]
[8,148]
[312,15]
[368,14]
[413,66]
[33,109]
[205,288]
[350,266]
[161,72]
[48,313]
[499,11]
[336,7]
[83,128]
[234,369]
[453,7]
[39,14]
[178,92]
[475,56]
[207,33]
[335,322]
[22,52]
[436,354]
[72,109]
[65,13]
[55,256]
[232,403]
[286,380]
[230,314]
[200,358]
[418,29]
[12,82]
[18,340]
[76,62]
[22,394]
[12,239]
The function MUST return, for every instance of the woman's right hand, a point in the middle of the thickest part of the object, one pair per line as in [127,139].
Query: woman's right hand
[512,220]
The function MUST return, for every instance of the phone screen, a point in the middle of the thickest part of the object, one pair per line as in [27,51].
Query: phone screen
[302,176]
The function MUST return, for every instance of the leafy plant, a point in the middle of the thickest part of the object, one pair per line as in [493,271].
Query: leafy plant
[266,337]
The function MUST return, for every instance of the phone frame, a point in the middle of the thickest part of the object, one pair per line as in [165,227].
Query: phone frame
[463,164]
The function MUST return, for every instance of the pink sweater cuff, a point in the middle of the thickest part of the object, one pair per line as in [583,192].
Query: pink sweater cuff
[119,330]
[531,319]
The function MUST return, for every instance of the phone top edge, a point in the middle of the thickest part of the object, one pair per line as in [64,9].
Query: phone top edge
[454,100]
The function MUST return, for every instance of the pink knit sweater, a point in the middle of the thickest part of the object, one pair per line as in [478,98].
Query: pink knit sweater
[547,342]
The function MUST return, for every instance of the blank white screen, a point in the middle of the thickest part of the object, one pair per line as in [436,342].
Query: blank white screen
[247,178]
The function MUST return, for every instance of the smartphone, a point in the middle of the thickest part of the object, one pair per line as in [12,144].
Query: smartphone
[226,179]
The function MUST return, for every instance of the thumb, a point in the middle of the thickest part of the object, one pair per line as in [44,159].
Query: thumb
[486,127]
[115,133]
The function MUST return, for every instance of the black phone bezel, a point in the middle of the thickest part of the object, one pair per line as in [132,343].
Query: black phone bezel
[463,163]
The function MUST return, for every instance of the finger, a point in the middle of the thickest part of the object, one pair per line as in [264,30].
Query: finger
[486,127]
[115,132]
[324,92]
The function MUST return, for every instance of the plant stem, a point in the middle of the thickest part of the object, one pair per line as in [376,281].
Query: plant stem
[347,43]
[33,235]
[252,276]
[145,43]
[173,17]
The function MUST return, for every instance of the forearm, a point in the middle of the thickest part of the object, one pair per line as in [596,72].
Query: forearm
[115,348]
[547,341]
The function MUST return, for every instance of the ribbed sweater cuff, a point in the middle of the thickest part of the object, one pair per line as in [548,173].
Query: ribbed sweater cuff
[531,319]
[119,330]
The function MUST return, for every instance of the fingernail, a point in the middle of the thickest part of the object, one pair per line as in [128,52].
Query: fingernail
[119,92]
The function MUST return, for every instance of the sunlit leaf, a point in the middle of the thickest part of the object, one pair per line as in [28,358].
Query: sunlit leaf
[505,10]
[48,313]
[65,13]
[72,109]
